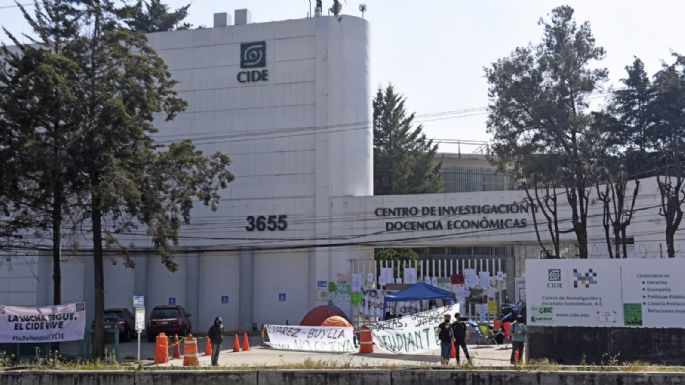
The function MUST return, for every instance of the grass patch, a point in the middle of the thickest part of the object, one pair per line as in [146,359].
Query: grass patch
[610,365]
[54,361]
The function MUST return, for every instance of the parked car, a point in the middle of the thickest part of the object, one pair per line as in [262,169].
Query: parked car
[170,319]
[122,319]
[511,310]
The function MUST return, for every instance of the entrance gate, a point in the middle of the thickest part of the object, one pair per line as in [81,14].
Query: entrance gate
[433,271]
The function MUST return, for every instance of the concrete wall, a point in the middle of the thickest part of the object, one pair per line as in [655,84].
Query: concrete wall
[338,377]
[283,271]
[572,345]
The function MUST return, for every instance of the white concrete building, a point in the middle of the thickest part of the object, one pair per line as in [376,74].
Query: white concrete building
[290,103]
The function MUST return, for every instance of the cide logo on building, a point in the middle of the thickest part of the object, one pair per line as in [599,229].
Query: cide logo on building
[253,55]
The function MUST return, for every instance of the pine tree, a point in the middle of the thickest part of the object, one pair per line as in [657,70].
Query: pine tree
[129,180]
[103,93]
[668,139]
[540,108]
[404,159]
[156,17]
[38,123]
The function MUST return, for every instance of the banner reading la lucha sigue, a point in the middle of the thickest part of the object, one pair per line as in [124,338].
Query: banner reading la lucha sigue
[44,324]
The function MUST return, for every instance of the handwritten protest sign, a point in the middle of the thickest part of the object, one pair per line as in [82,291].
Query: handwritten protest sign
[42,324]
[311,338]
[413,333]
[372,303]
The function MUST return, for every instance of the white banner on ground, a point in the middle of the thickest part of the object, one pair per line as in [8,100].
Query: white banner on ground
[311,338]
[606,292]
[414,333]
[42,324]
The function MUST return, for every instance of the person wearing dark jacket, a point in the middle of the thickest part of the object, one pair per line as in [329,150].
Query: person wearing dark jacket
[459,332]
[216,337]
[445,336]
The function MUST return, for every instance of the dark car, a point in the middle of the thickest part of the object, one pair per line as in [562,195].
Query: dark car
[511,310]
[122,319]
[170,319]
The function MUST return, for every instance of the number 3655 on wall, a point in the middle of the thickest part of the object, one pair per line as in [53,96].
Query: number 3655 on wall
[266,223]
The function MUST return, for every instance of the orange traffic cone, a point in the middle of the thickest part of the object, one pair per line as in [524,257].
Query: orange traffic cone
[236,344]
[208,347]
[453,351]
[246,343]
[516,356]
[177,347]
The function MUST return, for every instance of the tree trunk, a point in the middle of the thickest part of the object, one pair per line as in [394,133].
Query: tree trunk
[670,245]
[581,235]
[617,241]
[57,204]
[56,251]
[99,335]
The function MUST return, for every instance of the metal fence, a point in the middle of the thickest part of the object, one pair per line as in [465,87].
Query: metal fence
[440,269]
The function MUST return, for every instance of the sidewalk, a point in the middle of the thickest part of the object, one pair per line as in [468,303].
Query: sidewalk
[263,356]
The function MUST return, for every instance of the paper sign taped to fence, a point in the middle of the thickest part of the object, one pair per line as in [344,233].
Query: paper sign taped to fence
[311,338]
[413,333]
[44,324]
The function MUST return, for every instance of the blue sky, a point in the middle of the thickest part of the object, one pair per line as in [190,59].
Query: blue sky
[434,51]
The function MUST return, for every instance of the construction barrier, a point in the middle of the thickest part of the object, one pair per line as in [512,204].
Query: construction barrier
[246,343]
[161,349]
[365,340]
[190,357]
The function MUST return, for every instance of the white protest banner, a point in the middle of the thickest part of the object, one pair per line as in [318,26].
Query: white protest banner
[42,324]
[414,333]
[606,292]
[311,338]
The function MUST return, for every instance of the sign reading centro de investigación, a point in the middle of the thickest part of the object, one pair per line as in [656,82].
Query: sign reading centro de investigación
[606,292]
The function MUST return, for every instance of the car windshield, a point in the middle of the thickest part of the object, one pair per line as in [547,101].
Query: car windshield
[164,313]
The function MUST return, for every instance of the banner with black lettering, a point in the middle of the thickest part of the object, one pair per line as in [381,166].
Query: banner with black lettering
[414,333]
[44,324]
[311,338]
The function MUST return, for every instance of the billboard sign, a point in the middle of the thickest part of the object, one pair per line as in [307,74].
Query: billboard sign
[606,292]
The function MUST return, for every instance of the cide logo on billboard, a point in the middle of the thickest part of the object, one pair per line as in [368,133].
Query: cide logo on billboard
[253,55]
[554,278]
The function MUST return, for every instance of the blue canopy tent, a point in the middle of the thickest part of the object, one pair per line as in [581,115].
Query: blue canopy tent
[417,292]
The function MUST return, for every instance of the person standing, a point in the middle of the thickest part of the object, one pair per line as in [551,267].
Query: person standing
[517,330]
[445,336]
[216,337]
[459,332]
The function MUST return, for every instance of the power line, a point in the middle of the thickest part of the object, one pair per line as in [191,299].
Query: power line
[17,5]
